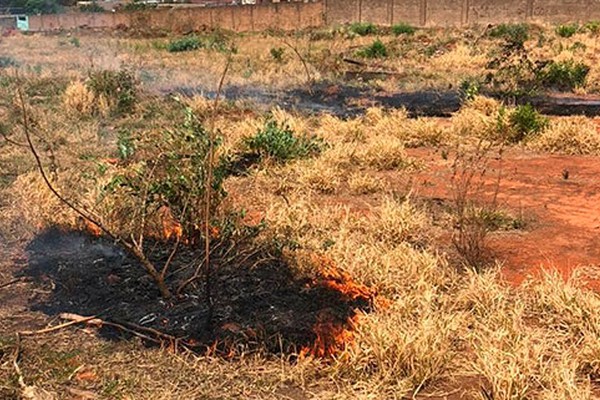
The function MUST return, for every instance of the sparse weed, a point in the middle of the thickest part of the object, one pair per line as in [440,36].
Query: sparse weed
[188,43]
[564,75]
[469,88]
[566,31]
[377,49]
[277,53]
[524,123]
[118,88]
[403,29]
[6,62]
[512,33]
[362,28]
[91,8]
[280,143]
[593,27]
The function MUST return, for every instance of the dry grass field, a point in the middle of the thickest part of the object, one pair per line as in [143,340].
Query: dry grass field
[303,254]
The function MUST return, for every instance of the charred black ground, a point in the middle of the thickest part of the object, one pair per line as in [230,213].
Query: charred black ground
[264,307]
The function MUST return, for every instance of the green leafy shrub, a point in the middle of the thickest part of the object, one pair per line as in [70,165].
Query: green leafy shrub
[563,75]
[278,142]
[469,88]
[118,87]
[593,27]
[187,43]
[125,144]
[277,53]
[497,220]
[512,33]
[137,6]
[375,50]
[170,169]
[363,28]
[91,8]
[403,29]
[6,62]
[525,122]
[75,42]
[214,41]
[566,31]
[41,7]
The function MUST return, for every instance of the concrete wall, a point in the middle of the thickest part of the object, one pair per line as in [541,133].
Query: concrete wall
[286,16]
[293,16]
[459,12]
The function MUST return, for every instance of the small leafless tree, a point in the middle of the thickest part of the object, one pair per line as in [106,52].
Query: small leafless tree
[472,200]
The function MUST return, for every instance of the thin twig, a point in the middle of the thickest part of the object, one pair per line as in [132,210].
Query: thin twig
[76,321]
[85,214]
[208,200]
[16,357]
[10,141]
[16,280]
[42,171]
[303,61]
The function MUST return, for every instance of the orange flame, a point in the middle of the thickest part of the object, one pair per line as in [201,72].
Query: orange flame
[92,228]
[333,336]
[171,228]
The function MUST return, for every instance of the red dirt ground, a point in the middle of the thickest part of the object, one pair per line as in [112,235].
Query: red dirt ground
[565,228]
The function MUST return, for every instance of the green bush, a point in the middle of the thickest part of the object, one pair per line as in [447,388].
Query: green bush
[187,43]
[278,142]
[363,28]
[277,53]
[593,27]
[6,61]
[41,7]
[119,87]
[403,29]
[566,31]
[137,6]
[469,88]
[525,122]
[92,8]
[563,75]
[212,42]
[513,33]
[375,50]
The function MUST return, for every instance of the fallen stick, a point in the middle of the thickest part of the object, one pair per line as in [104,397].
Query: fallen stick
[16,280]
[74,319]
[129,327]
[136,330]
[16,357]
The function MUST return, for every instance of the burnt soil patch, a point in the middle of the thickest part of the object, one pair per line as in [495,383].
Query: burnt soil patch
[257,306]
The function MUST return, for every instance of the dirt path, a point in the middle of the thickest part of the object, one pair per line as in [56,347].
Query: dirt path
[560,195]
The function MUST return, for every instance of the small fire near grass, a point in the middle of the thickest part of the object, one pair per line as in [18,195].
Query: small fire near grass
[254,306]
[333,334]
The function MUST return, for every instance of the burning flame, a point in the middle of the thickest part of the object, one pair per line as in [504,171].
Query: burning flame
[90,227]
[171,228]
[333,335]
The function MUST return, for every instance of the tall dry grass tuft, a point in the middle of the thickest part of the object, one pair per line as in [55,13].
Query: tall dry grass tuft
[78,99]
[482,118]
[319,175]
[397,221]
[400,350]
[364,183]
[569,135]
[383,153]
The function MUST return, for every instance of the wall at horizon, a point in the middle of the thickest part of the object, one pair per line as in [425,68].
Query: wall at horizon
[295,16]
